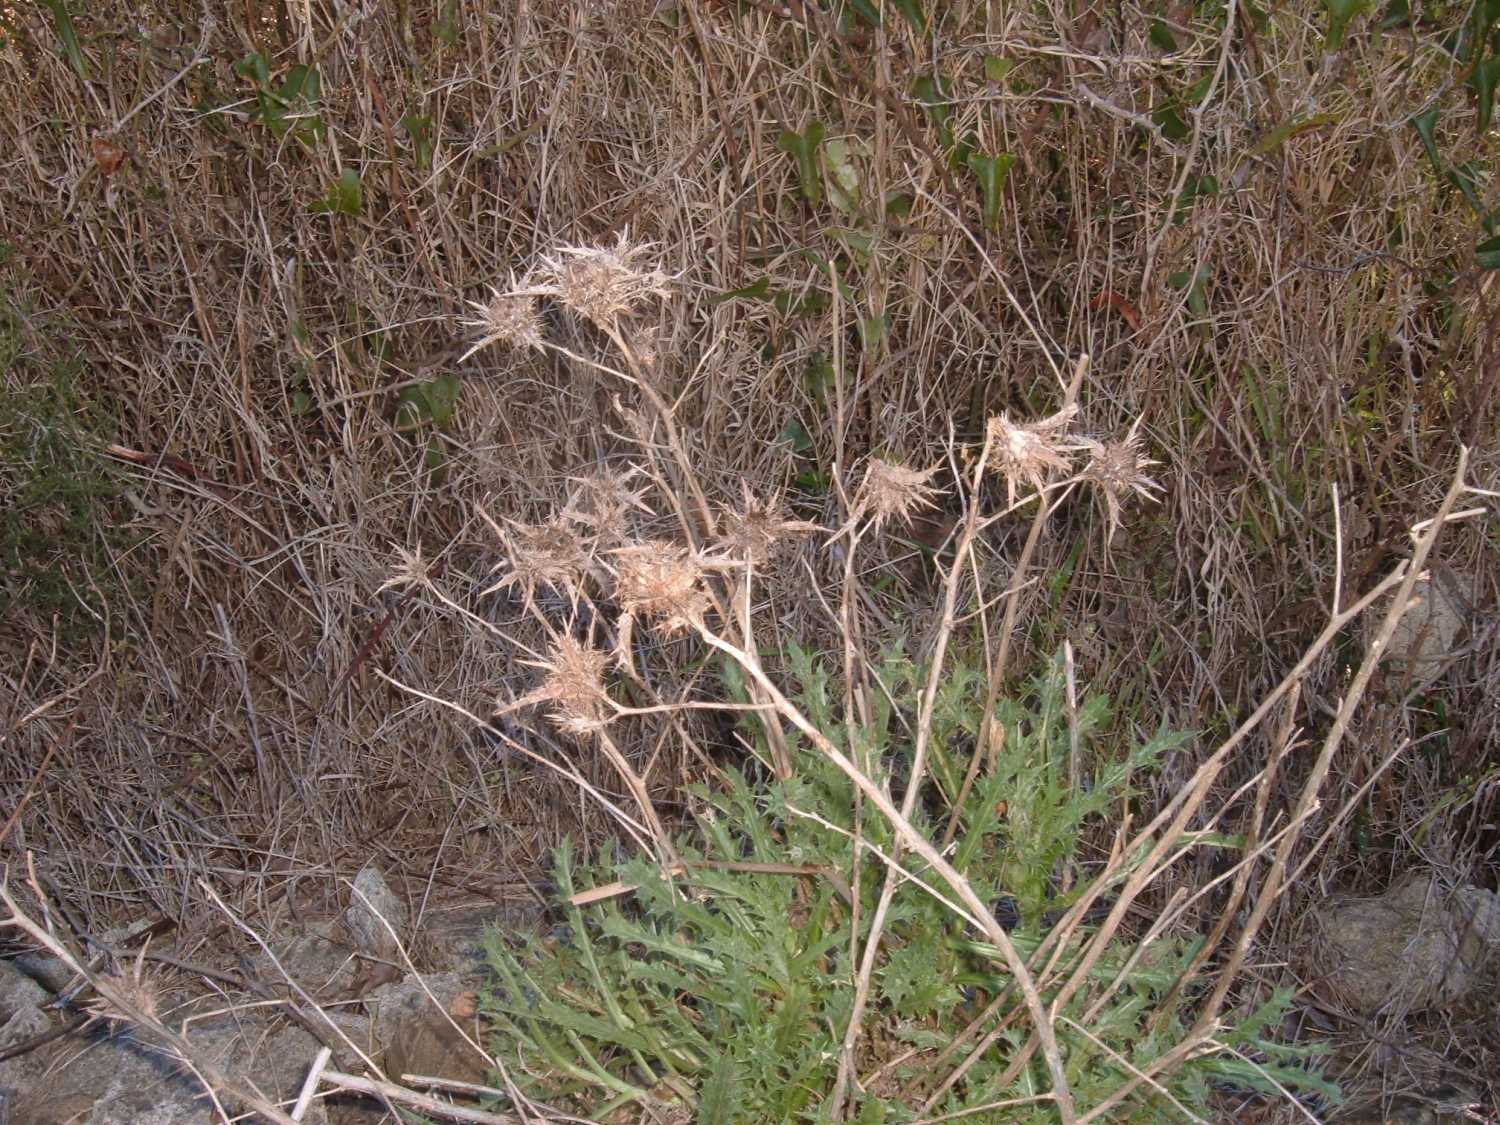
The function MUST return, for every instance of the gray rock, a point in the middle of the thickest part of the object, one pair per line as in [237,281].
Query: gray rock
[124,1079]
[377,916]
[1429,632]
[455,936]
[1415,947]
[316,956]
[418,1036]
[18,991]
[49,972]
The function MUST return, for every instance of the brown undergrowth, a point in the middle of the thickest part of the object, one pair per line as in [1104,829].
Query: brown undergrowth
[230,303]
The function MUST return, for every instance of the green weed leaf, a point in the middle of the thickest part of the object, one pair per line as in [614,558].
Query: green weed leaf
[345,196]
[1161,36]
[63,22]
[795,434]
[1173,127]
[450,25]
[912,10]
[1340,13]
[759,290]
[432,403]
[991,171]
[996,68]
[1487,254]
[1426,126]
[1486,76]
[1284,132]
[803,148]
[843,176]
[418,127]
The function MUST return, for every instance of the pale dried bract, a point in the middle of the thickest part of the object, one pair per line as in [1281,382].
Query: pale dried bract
[604,284]
[662,582]
[601,501]
[509,317]
[1031,451]
[549,554]
[1117,469]
[573,682]
[891,491]
[752,532]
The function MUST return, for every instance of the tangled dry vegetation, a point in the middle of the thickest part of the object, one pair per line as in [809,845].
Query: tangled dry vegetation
[340,343]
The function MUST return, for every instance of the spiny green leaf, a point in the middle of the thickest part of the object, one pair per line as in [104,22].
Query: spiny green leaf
[1161,36]
[1487,254]
[716,1101]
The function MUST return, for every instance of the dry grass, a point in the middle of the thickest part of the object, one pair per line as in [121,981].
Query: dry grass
[230,713]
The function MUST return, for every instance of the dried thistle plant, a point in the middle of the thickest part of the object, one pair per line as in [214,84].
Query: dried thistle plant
[548,554]
[509,317]
[573,682]
[133,986]
[663,582]
[413,572]
[752,532]
[604,284]
[601,501]
[1117,469]
[1031,451]
[889,491]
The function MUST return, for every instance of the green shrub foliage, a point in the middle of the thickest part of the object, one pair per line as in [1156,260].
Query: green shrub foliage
[724,994]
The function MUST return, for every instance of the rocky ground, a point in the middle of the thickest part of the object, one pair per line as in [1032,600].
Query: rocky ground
[344,983]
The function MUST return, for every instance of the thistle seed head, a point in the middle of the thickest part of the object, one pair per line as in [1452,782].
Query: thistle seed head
[1031,451]
[573,682]
[1117,469]
[752,532]
[602,500]
[661,581]
[509,317]
[604,284]
[547,554]
[890,491]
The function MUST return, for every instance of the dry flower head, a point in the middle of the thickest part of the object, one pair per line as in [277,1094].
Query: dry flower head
[134,987]
[602,500]
[413,571]
[604,284]
[661,581]
[752,532]
[573,682]
[509,317]
[891,491]
[1118,469]
[548,554]
[1031,451]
